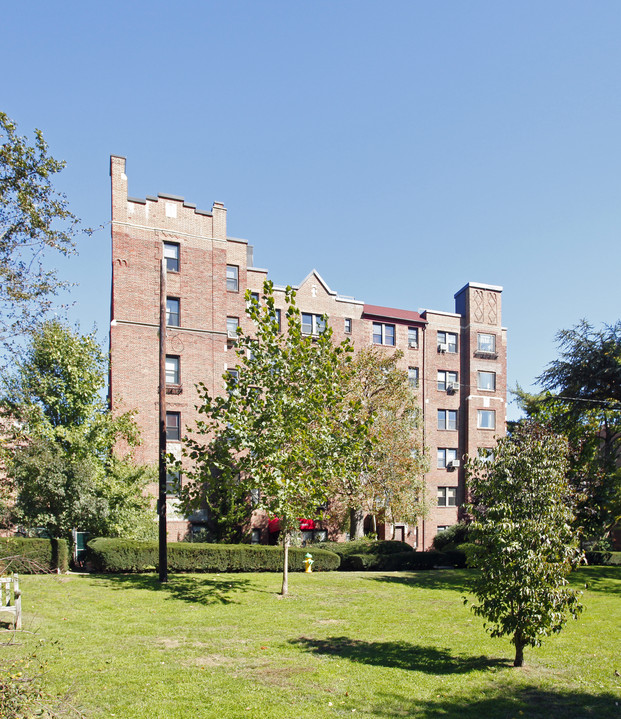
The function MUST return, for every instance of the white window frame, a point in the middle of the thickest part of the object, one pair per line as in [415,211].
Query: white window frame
[232,323]
[379,332]
[449,339]
[232,278]
[413,377]
[170,305]
[172,256]
[481,345]
[482,423]
[173,369]
[445,495]
[445,377]
[446,455]
[480,373]
[413,338]
[347,325]
[446,415]
[312,324]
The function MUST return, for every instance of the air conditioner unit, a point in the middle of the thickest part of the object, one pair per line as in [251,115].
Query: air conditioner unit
[232,334]
[443,347]
[452,387]
[412,345]
[453,463]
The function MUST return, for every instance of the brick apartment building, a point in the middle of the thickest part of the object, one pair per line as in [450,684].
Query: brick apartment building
[456,359]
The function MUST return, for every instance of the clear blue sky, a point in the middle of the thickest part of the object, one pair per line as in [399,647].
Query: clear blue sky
[402,148]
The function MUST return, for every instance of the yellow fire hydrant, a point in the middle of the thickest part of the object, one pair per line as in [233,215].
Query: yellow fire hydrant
[308,562]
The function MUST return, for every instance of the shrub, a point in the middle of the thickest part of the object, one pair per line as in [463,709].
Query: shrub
[398,561]
[451,537]
[364,546]
[33,556]
[604,558]
[456,557]
[119,555]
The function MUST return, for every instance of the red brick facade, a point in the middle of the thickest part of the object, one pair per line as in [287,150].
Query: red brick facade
[464,414]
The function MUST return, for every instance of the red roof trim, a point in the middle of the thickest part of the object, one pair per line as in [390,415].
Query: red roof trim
[390,313]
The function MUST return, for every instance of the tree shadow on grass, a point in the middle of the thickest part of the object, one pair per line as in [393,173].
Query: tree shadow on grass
[456,580]
[598,579]
[193,589]
[504,701]
[399,655]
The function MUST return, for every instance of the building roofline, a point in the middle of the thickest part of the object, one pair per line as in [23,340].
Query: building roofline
[478,286]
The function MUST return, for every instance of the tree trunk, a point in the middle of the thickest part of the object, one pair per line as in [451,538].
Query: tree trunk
[519,651]
[356,523]
[285,566]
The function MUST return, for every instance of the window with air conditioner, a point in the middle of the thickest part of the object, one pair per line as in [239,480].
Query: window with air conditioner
[447,342]
[447,381]
[413,337]
[446,456]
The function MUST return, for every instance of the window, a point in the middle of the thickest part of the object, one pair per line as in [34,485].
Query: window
[278,319]
[447,342]
[172,369]
[447,419]
[413,337]
[173,483]
[172,311]
[442,528]
[313,324]
[256,297]
[383,334]
[171,255]
[447,496]
[232,324]
[234,375]
[255,496]
[486,419]
[173,426]
[445,456]
[413,376]
[232,278]
[347,326]
[446,380]
[256,536]
[486,381]
[486,343]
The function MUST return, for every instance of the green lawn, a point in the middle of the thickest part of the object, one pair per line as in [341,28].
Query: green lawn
[398,644]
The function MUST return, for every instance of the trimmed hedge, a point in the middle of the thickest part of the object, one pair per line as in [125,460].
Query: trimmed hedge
[399,561]
[34,556]
[122,555]
[608,559]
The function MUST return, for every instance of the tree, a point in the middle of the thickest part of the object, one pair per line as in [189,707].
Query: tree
[283,423]
[522,538]
[62,461]
[386,477]
[582,400]
[34,220]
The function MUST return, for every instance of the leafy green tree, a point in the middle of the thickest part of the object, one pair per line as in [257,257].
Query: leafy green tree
[34,220]
[582,400]
[386,477]
[62,462]
[522,538]
[283,423]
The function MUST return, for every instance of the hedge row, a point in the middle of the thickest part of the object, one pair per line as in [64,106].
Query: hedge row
[121,555]
[33,556]
[604,558]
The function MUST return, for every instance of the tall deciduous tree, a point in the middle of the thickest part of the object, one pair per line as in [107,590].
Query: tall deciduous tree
[386,479]
[61,458]
[34,220]
[283,422]
[523,540]
[582,400]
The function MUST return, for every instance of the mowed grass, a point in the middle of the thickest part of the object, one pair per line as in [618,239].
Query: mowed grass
[396,644]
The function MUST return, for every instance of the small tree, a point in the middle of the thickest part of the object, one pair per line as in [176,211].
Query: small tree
[386,477]
[283,423]
[522,538]
[61,458]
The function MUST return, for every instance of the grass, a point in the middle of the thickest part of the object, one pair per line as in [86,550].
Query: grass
[382,645]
